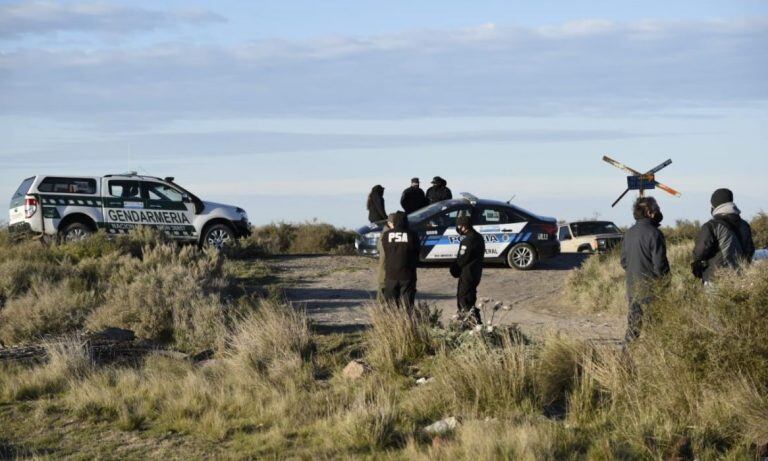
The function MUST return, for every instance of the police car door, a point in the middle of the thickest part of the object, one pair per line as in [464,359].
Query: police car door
[442,240]
[499,226]
[169,210]
[123,205]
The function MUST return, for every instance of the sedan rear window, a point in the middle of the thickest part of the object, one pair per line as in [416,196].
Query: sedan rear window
[68,185]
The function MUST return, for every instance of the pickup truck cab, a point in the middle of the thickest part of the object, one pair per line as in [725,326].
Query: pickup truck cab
[73,207]
[589,237]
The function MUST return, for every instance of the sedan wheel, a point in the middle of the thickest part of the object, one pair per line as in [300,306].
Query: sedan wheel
[522,256]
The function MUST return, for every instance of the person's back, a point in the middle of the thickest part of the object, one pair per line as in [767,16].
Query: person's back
[723,242]
[401,251]
[644,258]
[375,205]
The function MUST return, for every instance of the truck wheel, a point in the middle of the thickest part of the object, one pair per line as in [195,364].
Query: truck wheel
[218,236]
[522,257]
[75,232]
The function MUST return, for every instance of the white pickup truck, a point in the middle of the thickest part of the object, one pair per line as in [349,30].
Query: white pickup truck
[73,207]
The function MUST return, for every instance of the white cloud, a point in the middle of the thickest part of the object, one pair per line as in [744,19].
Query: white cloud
[44,16]
[587,67]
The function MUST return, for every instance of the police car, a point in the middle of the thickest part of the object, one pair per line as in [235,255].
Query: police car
[512,235]
[73,207]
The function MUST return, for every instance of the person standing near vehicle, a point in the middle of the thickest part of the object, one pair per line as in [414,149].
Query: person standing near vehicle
[723,242]
[413,198]
[644,258]
[401,253]
[439,191]
[375,205]
[382,270]
[468,268]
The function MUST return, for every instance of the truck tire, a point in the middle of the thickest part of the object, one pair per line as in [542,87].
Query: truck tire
[218,236]
[522,257]
[75,232]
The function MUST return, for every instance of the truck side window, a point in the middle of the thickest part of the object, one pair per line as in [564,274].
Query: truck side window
[125,189]
[565,234]
[158,191]
[68,185]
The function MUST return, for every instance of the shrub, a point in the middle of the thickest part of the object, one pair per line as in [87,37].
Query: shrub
[398,338]
[305,238]
[684,230]
[760,230]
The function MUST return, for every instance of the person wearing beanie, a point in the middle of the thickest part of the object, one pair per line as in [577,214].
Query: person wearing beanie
[644,258]
[468,268]
[725,241]
[439,191]
[413,198]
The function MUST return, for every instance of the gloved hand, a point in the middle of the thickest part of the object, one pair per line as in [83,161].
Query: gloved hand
[455,271]
[697,268]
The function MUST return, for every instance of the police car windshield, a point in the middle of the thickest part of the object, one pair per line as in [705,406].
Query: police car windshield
[425,213]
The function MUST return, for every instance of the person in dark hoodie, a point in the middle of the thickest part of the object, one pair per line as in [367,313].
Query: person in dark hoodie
[375,205]
[439,191]
[723,242]
[413,198]
[468,268]
[644,258]
[401,253]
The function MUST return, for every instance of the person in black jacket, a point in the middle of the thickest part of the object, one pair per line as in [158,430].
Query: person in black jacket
[439,191]
[644,258]
[723,242]
[375,205]
[413,198]
[401,253]
[468,268]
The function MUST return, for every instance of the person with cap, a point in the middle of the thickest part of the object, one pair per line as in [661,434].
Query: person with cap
[644,258]
[468,268]
[723,242]
[413,198]
[439,191]
[375,205]
[401,253]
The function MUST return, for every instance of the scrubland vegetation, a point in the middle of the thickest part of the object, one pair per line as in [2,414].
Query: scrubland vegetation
[693,386]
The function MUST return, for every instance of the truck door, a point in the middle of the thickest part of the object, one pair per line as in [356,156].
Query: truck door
[123,205]
[169,210]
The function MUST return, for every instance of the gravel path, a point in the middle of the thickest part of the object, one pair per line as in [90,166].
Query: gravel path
[337,290]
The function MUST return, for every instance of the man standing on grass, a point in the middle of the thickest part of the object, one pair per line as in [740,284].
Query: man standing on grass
[401,253]
[413,198]
[468,268]
[644,258]
[723,242]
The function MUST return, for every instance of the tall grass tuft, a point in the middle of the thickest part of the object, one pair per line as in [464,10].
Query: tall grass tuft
[398,338]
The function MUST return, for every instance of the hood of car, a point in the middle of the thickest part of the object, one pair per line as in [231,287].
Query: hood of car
[373,227]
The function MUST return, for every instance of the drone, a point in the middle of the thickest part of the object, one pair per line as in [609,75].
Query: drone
[642,182]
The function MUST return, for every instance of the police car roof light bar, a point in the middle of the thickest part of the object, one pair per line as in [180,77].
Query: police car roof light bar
[641,182]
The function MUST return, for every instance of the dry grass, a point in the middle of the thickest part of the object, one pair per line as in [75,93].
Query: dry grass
[398,338]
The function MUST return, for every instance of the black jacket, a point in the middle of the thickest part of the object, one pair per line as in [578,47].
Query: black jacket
[724,241]
[644,254]
[438,193]
[413,199]
[401,251]
[469,264]
[376,210]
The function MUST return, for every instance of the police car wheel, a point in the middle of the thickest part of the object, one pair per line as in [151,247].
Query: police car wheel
[522,256]
[76,232]
[218,236]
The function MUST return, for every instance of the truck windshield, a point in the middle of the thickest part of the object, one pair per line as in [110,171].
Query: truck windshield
[18,196]
[581,229]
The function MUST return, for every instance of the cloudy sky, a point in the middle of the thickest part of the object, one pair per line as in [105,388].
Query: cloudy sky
[294,109]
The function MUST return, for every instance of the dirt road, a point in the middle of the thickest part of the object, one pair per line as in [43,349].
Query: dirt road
[336,292]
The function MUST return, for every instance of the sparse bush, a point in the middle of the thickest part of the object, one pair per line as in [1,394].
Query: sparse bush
[683,230]
[398,338]
[305,238]
[760,230]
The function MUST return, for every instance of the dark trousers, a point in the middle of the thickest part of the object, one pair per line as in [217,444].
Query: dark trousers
[635,317]
[466,299]
[400,292]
